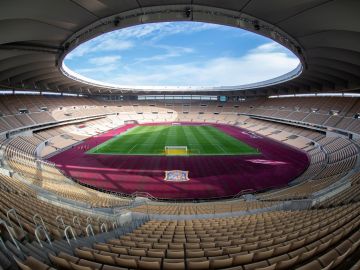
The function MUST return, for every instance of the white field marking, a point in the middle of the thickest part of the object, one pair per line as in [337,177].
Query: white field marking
[132,148]
[195,150]
[222,149]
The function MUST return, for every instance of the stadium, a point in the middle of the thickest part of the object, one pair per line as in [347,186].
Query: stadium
[107,166]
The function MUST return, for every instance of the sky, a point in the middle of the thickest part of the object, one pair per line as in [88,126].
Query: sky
[180,54]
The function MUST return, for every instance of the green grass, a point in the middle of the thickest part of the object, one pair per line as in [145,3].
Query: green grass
[151,140]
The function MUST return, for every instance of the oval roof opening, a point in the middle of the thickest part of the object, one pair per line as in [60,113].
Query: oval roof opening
[182,55]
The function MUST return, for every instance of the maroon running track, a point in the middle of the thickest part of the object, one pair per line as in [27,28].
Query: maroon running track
[210,176]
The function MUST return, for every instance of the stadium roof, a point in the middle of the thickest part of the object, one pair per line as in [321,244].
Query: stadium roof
[36,35]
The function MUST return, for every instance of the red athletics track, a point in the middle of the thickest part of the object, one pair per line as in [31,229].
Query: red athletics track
[210,176]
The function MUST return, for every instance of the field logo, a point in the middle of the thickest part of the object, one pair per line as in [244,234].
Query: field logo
[176,176]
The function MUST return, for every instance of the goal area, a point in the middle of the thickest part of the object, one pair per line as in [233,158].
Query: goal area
[176,150]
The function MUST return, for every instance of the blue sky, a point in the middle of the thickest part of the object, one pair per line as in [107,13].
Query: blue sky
[180,54]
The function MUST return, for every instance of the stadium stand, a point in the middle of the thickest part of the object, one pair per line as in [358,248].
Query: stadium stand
[222,243]
[331,157]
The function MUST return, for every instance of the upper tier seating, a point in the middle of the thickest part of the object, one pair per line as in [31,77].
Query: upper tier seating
[336,112]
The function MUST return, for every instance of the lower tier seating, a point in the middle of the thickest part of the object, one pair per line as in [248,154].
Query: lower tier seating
[307,239]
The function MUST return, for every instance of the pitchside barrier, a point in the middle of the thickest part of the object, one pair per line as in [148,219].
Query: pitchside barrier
[176,150]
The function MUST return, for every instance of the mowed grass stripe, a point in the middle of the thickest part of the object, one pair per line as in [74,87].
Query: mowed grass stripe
[129,142]
[215,140]
[151,140]
[229,143]
[183,137]
[218,138]
[110,145]
[206,144]
[194,146]
[124,143]
[200,144]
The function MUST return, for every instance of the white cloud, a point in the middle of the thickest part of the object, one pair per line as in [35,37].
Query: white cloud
[260,64]
[170,52]
[264,62]
[100,72]
[110,44]
[161,30]
[126,38]
[104,60]
[268,47]
[101,44]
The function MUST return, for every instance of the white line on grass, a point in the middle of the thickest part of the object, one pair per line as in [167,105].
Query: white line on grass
[222,149]
[132,148]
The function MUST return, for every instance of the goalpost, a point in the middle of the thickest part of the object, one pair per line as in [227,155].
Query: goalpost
[176,150]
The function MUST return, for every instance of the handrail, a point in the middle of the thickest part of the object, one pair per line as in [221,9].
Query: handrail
[87,220]
[243,192]
[12,210]
[143,194]
[10,233]
[60,218]
[66,234]
[58,123]
[103,225]
[37,230]
[89,228]
[76,218]
[114,225]
[41,220]
[2,243]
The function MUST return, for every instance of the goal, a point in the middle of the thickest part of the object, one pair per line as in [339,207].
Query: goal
[176,150]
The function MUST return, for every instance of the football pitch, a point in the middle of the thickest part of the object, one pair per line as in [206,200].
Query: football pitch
[151,140]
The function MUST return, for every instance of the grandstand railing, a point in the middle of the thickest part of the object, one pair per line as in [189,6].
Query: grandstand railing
[311,126]
[293,205]
[143,194]
[36,127]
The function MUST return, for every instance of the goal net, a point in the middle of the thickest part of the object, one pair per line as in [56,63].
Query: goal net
[176,150]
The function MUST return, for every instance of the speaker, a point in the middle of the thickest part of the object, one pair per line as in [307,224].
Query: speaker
[116,22]
[187,12]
